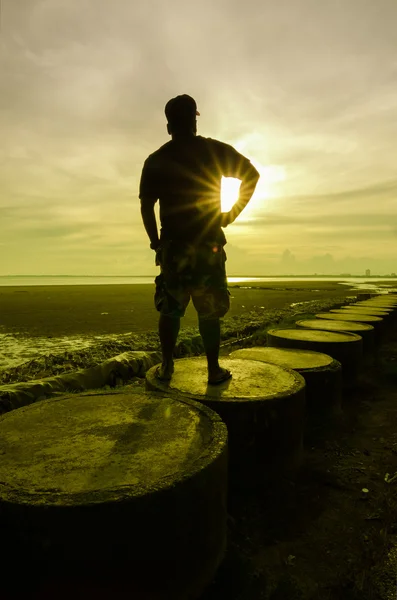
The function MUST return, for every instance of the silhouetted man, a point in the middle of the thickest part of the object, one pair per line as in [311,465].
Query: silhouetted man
[185,176]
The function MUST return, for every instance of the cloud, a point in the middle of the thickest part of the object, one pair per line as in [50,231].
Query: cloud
[383,189]
[310,88]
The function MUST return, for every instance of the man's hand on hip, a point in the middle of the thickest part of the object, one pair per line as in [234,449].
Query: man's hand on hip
[226,219]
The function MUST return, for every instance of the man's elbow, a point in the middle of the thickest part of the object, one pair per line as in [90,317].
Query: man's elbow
[255,174]
[252,175]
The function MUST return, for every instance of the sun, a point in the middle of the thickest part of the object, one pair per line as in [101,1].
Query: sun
[229,192]
[263,193]
[254,146]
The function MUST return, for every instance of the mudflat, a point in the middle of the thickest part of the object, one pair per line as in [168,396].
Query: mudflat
[62,310]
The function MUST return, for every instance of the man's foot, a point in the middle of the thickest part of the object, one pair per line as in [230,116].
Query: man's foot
[219,376]
[164,371]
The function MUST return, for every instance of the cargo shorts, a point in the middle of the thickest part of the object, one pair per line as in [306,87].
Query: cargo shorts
[191,271]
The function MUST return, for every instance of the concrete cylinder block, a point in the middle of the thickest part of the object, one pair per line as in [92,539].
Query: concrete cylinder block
[322,373]
[378,323]
[345,347]
[263,406]
[133,484]
[367,332]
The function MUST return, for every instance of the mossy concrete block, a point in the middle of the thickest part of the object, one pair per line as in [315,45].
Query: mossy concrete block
[114,371]
[345,347]
[367,332]
[386,308]
[375,310]
[379,303]
[389,317]
[263,406]
[322,373]
[378,323]
[137,479]
[383,298]
[389,307]
[367,310]
[373,320]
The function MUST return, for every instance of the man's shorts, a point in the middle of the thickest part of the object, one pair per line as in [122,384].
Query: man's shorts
[189,271]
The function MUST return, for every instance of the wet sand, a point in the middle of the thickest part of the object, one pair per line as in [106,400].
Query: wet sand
[37,321]
[56,311]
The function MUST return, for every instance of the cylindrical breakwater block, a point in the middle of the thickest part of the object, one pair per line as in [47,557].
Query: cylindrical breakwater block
[361,318]
[137,479]
[263,406]
[387,302]
[345,347]
[377,312]
[389,307]
[377,322]
[322,373]
[388,296]
[386,314]
[390,319]
[367,332]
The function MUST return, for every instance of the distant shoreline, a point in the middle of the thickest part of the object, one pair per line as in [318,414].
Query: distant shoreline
[87,309]
[90,320]
[37,320]
[315,276]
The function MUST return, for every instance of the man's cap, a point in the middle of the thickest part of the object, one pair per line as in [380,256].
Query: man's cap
[181,108]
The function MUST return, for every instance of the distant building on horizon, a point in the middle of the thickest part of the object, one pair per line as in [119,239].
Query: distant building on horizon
[368,273]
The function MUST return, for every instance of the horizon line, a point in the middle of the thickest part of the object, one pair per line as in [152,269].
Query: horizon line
[388,275]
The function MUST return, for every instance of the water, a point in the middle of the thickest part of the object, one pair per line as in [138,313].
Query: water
[16,349]
[29,280]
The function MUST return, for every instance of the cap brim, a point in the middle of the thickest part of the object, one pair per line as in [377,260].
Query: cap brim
[197,113]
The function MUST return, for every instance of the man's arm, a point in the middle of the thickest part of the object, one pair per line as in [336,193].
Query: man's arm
[234,164]
[249,180]
[149,221]
[148,195]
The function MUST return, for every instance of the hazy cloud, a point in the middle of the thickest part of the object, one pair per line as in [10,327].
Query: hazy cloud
[306,88]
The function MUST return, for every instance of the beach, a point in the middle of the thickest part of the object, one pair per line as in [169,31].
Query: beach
[56,311]
[49,320]
[301,538]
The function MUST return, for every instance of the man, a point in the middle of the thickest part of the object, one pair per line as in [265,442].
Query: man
[185,176]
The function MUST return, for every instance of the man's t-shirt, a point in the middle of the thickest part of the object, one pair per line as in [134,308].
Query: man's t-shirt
[185,176]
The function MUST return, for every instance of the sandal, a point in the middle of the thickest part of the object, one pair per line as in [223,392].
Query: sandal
[223,376]
[162,375]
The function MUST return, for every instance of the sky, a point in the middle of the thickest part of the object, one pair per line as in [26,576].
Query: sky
[306,89]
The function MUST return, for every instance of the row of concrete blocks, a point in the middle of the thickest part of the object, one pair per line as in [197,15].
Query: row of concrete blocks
[153,509]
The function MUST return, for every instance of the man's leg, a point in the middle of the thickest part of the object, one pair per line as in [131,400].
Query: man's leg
[210,331]
[168,332]
[211,300]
